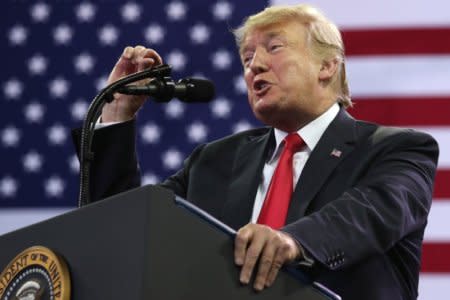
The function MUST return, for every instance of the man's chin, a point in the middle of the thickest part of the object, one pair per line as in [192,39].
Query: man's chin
[263,106]
[265,115]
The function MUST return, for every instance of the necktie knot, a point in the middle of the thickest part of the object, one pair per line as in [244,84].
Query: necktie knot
[293,142]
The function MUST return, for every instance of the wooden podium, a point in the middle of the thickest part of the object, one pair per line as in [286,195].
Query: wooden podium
[143,244]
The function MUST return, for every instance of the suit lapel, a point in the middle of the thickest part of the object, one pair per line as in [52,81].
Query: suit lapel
[335,144]
[246,176]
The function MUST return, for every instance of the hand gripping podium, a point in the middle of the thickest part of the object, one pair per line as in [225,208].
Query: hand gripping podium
[144,244]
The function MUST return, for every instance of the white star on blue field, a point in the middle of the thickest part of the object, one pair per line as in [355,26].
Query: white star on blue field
[59,57]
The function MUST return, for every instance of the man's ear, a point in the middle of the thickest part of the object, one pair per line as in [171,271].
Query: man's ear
[328,69]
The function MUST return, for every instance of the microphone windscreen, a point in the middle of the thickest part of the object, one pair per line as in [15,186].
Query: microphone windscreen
[198,90]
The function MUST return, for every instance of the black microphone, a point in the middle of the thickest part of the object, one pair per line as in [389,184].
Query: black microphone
[164,89]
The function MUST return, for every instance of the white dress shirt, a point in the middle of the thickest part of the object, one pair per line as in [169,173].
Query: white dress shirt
[311,134]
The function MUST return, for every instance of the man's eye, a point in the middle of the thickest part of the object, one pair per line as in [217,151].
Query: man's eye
[275,47]
[246,60]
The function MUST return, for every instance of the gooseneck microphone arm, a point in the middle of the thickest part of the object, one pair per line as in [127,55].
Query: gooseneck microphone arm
[92,115]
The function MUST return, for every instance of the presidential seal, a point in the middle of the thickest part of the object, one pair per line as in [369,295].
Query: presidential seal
[35,274]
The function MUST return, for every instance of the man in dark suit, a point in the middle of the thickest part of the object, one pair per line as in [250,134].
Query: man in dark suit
[358,194]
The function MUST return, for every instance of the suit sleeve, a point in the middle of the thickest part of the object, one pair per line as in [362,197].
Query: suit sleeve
[179,182]
[115,166]
[391,200]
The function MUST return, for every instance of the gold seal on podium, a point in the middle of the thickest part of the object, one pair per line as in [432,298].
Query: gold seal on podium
[37,273]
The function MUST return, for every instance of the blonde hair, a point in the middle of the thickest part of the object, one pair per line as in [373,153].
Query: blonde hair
[325,40]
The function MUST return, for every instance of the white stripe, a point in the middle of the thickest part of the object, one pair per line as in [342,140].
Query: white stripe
[382,13]
[15,218]
[437,229]
[442,136]
[434,286]
[374,76]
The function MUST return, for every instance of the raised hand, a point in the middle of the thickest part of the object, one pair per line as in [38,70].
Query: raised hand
[132,60]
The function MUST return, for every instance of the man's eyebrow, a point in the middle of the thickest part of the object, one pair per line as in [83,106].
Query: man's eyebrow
[272,34]
[267,36]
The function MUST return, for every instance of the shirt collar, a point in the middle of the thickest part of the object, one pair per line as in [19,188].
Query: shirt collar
[311,132]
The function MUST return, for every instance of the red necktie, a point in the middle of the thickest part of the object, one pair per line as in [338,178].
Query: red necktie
[276,204]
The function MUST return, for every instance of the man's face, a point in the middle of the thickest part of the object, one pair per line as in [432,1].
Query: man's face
[282,76]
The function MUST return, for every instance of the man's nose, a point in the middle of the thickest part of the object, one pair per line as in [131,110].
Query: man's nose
[259,62]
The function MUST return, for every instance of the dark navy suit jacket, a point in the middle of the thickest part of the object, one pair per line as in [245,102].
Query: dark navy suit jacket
[360,213]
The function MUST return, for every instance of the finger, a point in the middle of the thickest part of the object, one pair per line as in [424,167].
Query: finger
[138,53]
[139,49]
[279,259]
[145,58]
[252,255]
[287,252]
[145,63]
[243,238]
[123,65]
[128,52]
[265,264]
[150,53]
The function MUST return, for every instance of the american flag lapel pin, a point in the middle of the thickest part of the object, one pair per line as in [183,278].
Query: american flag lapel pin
[336,153]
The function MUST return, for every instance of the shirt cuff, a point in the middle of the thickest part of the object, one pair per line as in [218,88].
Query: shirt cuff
[99,125]
[305,258]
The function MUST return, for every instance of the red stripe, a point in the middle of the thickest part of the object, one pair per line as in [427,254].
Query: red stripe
[397,41]
[436,258]
[412,111]
[442,185]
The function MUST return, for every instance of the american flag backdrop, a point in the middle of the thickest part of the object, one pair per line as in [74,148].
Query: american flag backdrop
[56,55]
